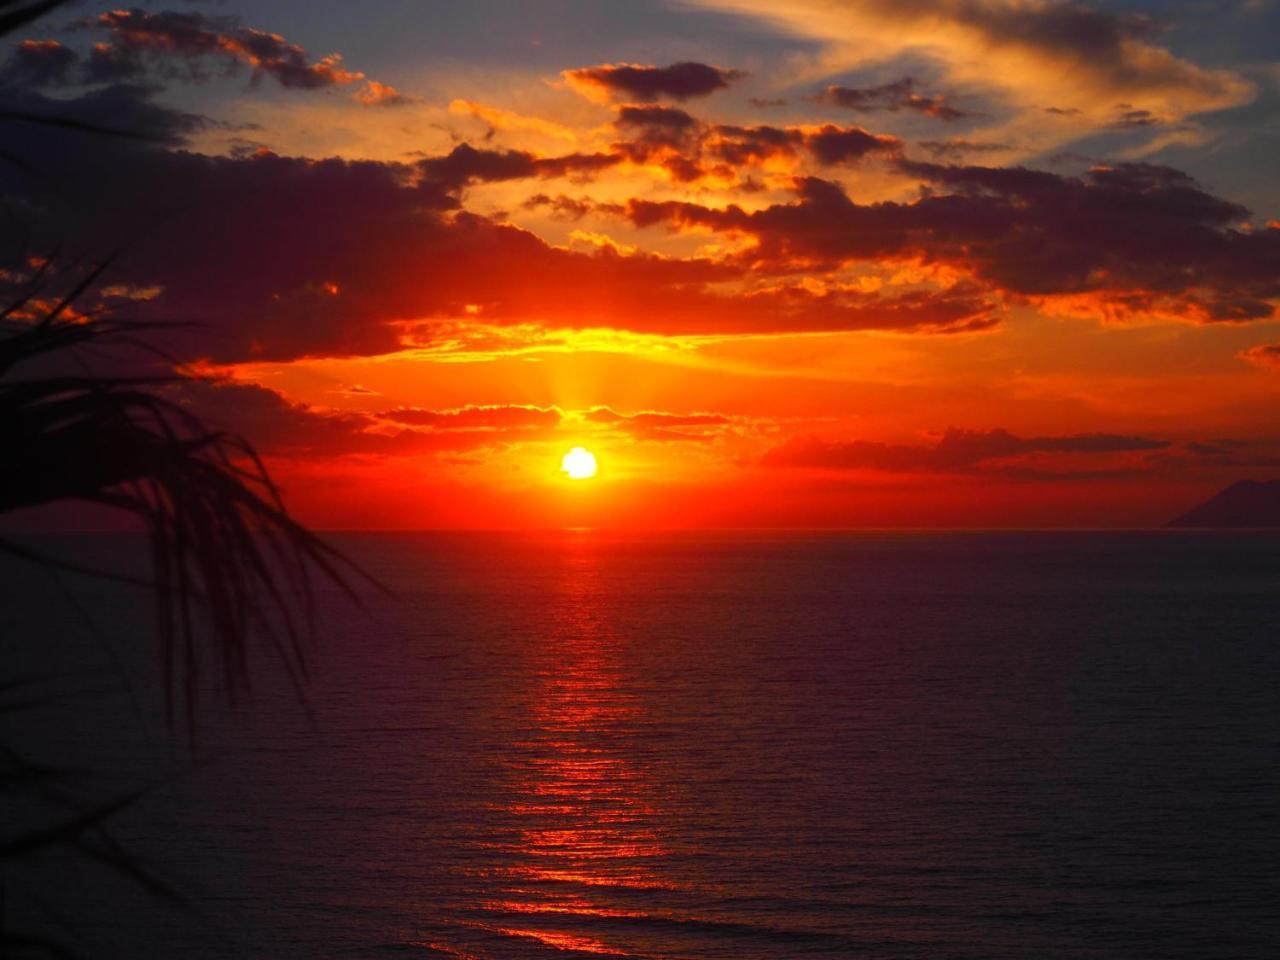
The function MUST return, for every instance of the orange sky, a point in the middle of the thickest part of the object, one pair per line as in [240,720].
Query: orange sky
[877,264]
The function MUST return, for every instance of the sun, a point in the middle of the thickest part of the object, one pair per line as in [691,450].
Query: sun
[579,464]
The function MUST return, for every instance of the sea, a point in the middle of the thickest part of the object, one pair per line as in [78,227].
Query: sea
[694,745]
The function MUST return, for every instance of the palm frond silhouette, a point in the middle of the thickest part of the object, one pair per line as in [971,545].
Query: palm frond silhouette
[229,564]
[222,539]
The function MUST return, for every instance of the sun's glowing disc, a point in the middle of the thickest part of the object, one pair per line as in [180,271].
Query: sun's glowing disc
[579,464]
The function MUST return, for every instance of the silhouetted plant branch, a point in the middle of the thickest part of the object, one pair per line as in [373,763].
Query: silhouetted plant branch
[228,560]
[229,563]
[13,19]
[221,537]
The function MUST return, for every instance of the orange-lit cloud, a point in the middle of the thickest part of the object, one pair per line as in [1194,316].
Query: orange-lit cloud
[375,94]
[633,81]
[1265,355]
[195,36]
[1140,230]
[655,425]
[500,119]
[690,150]
[1062,54]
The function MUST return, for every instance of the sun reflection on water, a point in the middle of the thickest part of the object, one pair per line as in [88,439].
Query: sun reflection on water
[582,812]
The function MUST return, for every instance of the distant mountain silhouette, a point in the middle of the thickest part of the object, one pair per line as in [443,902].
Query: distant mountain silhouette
[1247,503]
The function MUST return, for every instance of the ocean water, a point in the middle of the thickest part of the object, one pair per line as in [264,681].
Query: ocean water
[721,745]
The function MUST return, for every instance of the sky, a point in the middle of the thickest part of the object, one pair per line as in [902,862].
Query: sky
[823,263]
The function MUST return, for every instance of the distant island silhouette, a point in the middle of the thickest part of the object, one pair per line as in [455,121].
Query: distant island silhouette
[1246,503]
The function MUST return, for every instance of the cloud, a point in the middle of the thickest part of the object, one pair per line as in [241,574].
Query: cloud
[336,258]
[631,81]
[1230,453]
[659,426]
[341,258]
[148,48]
[1070,54]
[444,176]
[746,146]
[690,150]
[655,118]
[660,134]
[375,94]
[956,451]
[663,136]
[893,97]
[40,63]
[957,149]
[283,429]
[562,206]
[475,417]
[1135,120]
[831,145]
[1119,242]
[129,109]
[276,426]
[311,258]
[1265,355]
[500,119]
[195,37]
[276,258]
[648,294]
[280,428]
